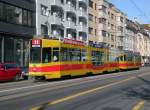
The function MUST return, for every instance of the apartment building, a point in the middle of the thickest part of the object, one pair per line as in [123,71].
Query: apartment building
[121,29]
[106,24]
[62,19]
[130,39]
[93,21]
[143,40]
[17,27]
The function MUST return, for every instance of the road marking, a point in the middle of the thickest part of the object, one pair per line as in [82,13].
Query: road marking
[139,105]
[80,94]
[84,93]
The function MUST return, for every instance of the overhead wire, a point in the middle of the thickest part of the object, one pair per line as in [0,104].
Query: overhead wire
[139,9]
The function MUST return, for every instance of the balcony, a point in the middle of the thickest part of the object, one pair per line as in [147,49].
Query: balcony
[85,1]
[70,8]
[119,23]
[70,24]
[82,13]
[121,34]
[103,39]
[56,2]
[102,27]
[102,14]
[82,28]
[55,20]
[101,2]
[120,44]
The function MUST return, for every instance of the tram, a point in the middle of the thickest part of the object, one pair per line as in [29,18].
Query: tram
[50,59]
[129,60]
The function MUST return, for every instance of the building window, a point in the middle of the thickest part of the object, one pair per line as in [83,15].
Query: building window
[18,15]
[112,38]
[62,1]
[90,3]
[104,33]
[44,30]
[102,20]
[90,30]
[1,11]
[30,18]
[95,19]
[15,15]
[112,27]
[112,16]
[121,19]
[9,50]
[120,29]
[95,32]
[95,6]
[9,13]
[90,17]
[44,10]
[25,17]
[103,8]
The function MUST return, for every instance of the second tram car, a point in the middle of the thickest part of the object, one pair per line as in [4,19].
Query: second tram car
[129,60]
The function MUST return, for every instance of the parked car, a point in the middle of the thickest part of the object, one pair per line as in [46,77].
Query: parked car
[9,71]
[24,73]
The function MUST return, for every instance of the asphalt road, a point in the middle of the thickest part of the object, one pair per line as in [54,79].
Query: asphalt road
[128,90]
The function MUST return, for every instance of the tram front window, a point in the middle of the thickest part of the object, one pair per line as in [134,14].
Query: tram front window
[35,55]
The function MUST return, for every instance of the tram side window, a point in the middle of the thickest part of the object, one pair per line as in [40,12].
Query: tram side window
[78,54]
[64,54]
[46,55]
[102,58]
[74,54]
[137,59]
[121,58]
[55,54]
[83,55]
[125,58]
[93,58]
[70,55]
[112,57]
[97,58]
[129,58]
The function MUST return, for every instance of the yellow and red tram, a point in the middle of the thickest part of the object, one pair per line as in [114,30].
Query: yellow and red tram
[129,60]
[55,59]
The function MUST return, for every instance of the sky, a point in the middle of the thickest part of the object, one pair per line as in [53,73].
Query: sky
[134,9]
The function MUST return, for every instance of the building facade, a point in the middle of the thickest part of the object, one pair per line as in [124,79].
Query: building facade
[93,20]
[17,26]
[106,24]
[62,19]
[121,29]
[130,39]
[143,45]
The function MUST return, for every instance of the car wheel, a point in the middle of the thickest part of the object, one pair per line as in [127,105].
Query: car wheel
[17,77]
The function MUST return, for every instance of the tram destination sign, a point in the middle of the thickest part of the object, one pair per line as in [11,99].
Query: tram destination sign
[36,43]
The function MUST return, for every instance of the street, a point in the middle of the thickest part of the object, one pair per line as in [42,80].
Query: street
[127,90]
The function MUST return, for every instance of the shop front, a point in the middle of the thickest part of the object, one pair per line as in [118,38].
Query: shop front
[14,49]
